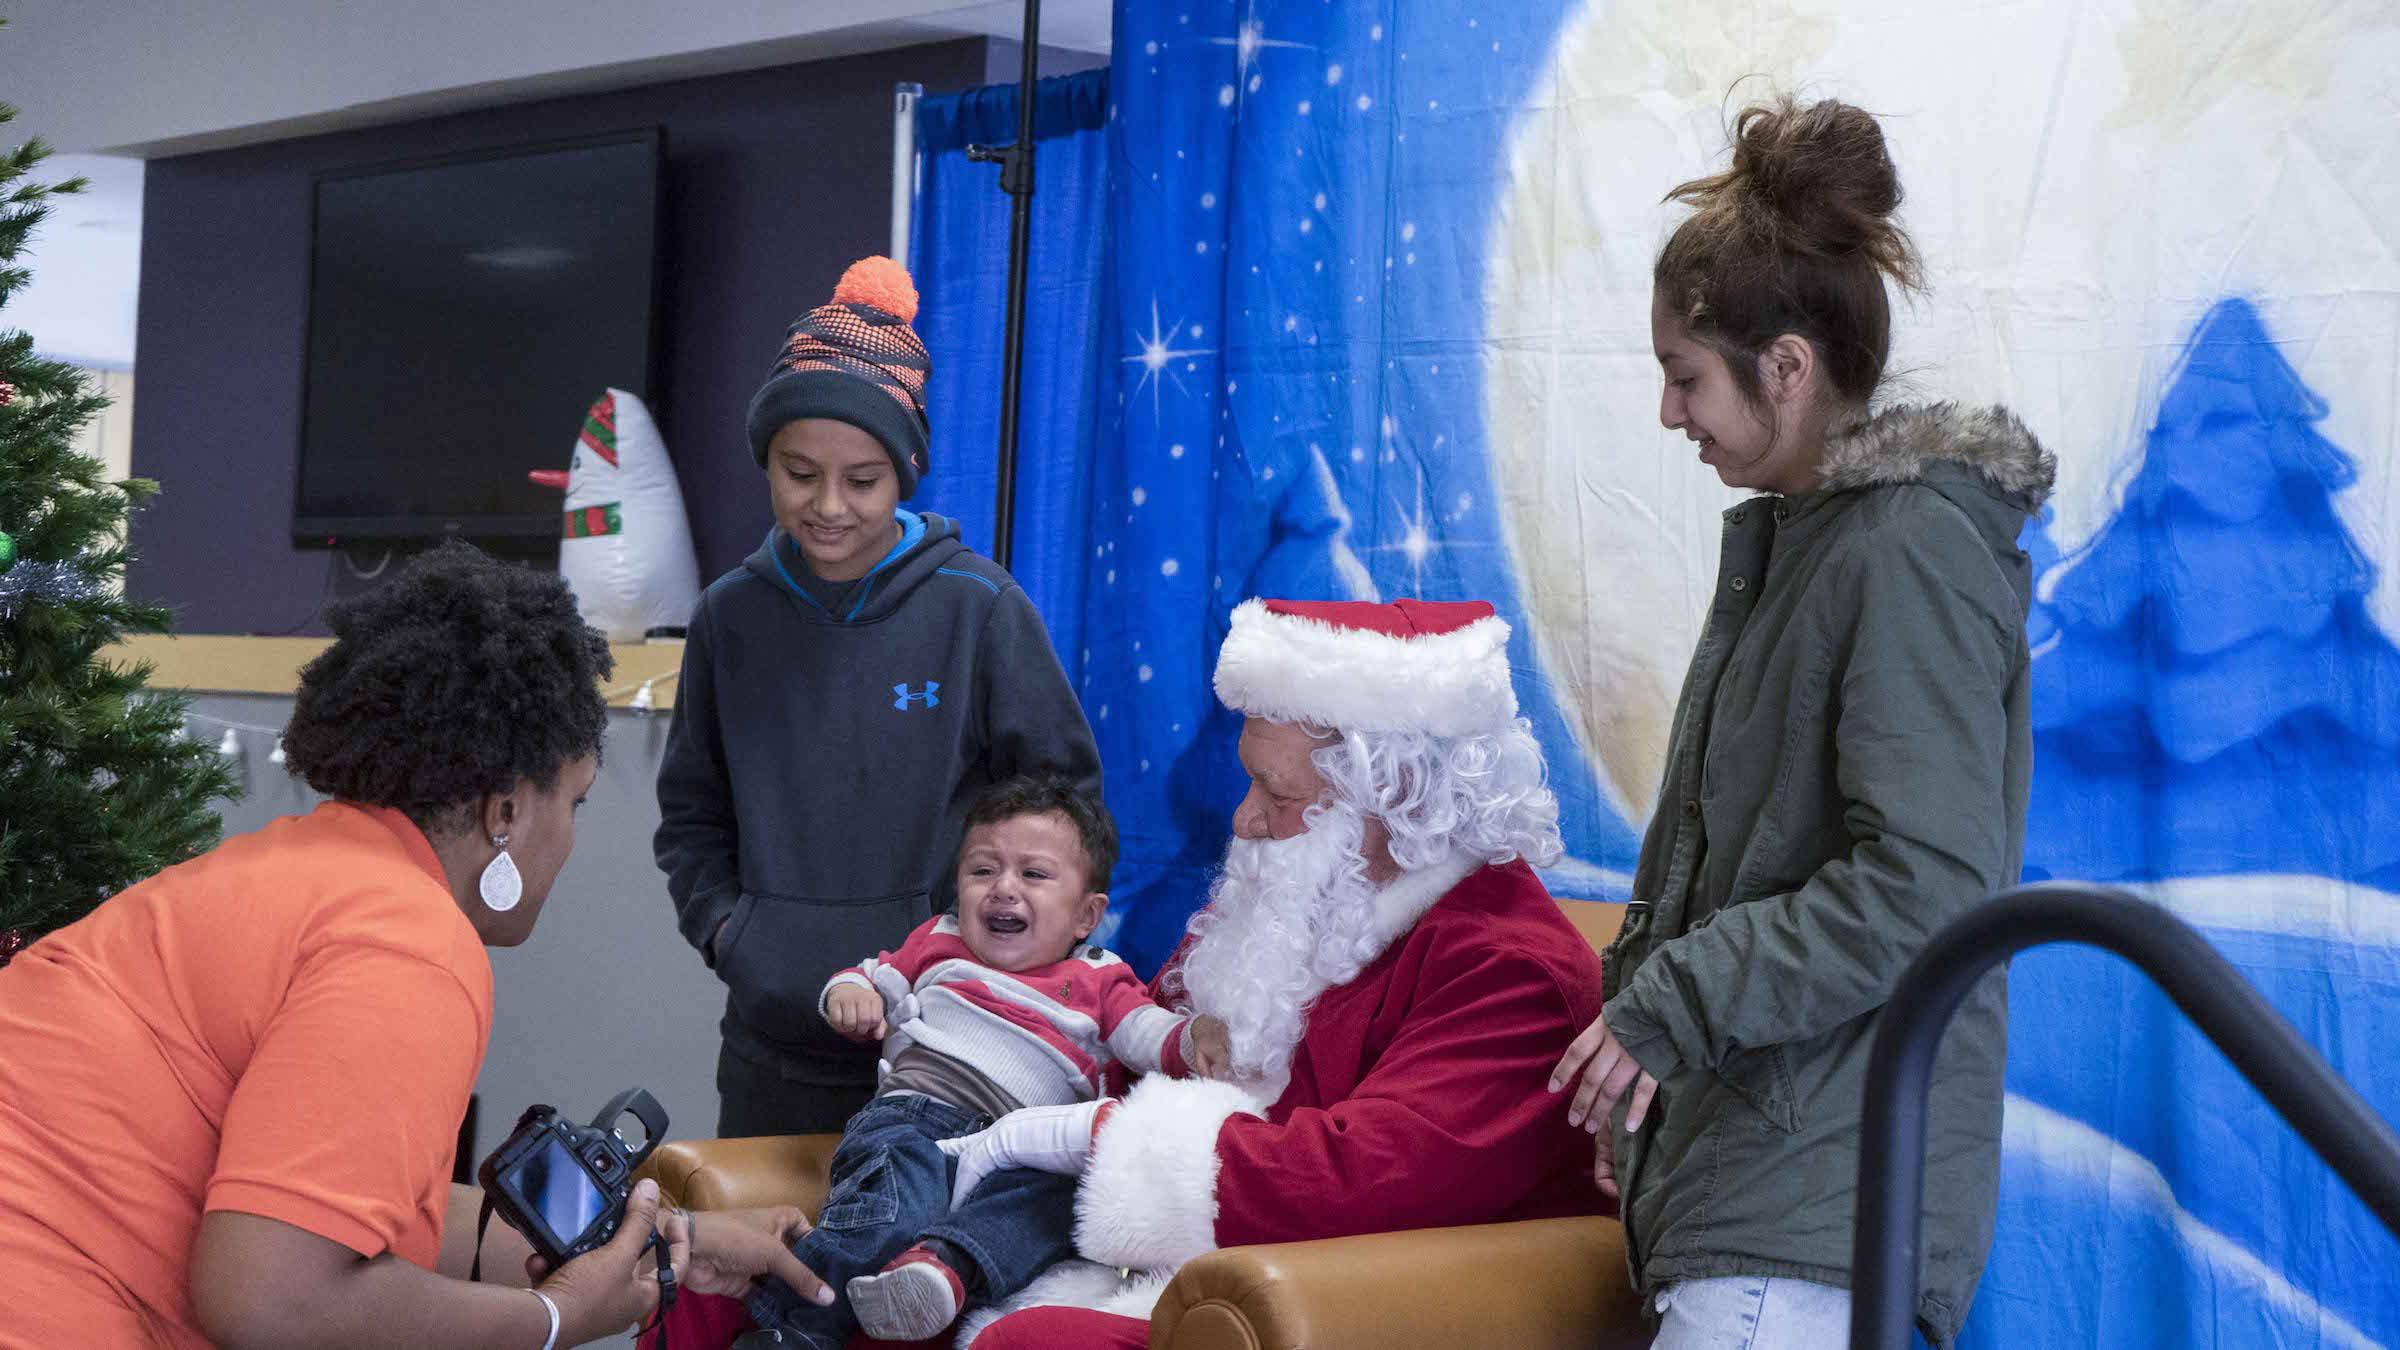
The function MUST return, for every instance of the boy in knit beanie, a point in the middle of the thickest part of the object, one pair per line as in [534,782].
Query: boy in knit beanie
[845,694]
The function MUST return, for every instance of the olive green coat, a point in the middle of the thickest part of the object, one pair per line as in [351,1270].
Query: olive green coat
[1847,773]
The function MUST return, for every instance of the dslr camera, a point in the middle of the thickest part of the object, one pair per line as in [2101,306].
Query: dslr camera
[564,1185]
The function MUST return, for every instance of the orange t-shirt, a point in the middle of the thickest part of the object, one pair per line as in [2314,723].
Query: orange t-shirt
[288,1026]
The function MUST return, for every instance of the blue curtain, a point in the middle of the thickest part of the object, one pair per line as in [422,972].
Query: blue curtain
[1138,651]
[1208,416]
[958,251]
[1295,408]
[1211,413]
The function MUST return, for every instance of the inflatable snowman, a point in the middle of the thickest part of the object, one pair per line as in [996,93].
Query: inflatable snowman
[627,550]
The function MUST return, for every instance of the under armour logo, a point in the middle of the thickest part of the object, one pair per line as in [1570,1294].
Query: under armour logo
[931,697]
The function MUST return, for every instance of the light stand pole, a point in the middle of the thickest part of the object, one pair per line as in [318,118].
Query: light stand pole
[1016,179]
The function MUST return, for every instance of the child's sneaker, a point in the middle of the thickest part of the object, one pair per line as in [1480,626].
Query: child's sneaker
[914,1298]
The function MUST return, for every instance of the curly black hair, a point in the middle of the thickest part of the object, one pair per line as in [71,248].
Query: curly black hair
[1049,794]
[453,680]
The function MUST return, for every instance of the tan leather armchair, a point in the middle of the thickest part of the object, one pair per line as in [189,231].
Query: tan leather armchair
[1550,1284]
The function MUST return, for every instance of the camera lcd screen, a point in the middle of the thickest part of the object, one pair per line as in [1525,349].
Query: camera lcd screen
[554,1184]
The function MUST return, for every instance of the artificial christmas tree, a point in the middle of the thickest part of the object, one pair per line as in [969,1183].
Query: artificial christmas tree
[98,789]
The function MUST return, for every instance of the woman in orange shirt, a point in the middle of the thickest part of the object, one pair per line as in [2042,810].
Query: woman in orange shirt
[230,1095]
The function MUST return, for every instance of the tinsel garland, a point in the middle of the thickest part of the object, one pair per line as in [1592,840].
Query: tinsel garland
[52,583]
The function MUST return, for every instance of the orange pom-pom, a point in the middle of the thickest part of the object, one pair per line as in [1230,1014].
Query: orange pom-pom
[880,282]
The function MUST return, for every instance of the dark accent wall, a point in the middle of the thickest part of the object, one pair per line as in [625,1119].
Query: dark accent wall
[775,180]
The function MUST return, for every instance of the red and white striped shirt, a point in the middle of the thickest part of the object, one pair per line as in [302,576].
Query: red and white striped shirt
[1043,1035]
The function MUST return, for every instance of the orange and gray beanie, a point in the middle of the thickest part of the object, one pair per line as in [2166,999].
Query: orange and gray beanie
[854,360]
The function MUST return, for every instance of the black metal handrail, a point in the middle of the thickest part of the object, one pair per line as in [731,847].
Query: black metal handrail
[1885,1250]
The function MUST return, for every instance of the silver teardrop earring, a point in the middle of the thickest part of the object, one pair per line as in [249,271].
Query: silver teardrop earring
[502,884]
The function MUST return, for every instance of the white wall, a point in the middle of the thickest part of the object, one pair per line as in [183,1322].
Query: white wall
[156,78]
[108,437]
[86,260]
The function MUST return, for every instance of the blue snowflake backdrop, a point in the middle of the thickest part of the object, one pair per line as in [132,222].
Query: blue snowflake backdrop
[1257,366]
[1286,390]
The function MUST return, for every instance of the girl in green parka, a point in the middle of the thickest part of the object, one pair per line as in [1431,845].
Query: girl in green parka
[1847,771]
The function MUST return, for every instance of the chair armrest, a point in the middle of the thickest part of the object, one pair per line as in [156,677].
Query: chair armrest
[1546,1284]
[783,1169]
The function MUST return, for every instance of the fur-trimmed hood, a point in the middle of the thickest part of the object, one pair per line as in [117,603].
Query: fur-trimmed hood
[1898,444]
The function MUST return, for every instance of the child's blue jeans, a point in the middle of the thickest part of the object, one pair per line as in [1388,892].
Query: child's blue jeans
[891,1189]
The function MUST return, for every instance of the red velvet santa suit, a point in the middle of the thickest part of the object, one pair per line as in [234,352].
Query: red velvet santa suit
[1418,1098]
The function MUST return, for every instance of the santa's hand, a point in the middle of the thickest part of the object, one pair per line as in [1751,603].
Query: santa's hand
[1045,1138]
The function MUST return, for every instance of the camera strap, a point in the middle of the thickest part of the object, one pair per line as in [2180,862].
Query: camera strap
[666,1287]
[483,1225]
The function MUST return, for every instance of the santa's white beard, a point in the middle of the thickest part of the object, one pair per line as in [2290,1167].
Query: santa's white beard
[1286,920]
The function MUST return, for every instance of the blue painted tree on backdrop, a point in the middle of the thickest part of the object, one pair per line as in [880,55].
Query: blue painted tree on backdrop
[2217,719]
[2219,699]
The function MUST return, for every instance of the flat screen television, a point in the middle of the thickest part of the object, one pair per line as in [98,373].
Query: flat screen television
[462,315]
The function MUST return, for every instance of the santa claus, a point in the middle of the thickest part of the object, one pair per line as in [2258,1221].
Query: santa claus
[1397,984]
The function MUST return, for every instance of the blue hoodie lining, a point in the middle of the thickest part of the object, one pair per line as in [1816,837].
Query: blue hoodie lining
[912,530]
[775,540]
[986,582]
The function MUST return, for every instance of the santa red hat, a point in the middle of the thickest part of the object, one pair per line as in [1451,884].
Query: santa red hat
[1411,665]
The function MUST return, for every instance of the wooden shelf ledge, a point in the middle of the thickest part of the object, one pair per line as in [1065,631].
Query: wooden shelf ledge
[207,664]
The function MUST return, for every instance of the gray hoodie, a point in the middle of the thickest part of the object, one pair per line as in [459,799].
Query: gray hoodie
[821,761]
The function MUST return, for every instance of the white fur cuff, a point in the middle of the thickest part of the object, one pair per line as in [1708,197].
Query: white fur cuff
[1072,1284]
[1149,1199]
